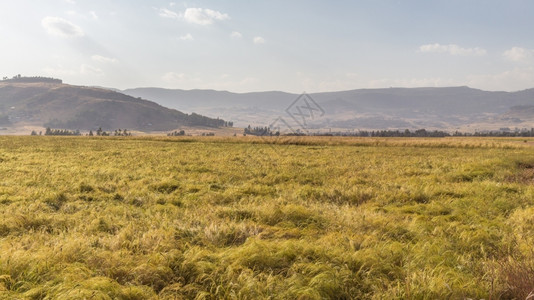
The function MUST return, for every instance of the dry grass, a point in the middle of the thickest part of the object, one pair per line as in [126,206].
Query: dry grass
[248,218]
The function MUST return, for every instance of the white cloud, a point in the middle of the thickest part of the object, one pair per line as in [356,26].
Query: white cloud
[90,70]
[258,40]
[166,13]
[173,77]
[93,15]
[199,81]
[452,49]
[187,37]
[103,59]
[236,35]
[518,54]
[70,1]
[203,16]
[59,71]
[510,80]
[61,27]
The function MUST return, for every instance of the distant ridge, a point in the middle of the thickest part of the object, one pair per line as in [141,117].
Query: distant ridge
[448,108]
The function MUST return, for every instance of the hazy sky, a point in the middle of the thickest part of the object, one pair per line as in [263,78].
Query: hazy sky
[290,46]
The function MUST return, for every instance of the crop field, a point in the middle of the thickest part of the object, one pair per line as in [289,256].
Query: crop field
[252,218]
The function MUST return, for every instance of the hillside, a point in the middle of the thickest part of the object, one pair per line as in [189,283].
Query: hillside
[60,105]
[440,108]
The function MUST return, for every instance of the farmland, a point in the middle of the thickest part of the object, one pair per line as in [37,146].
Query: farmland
[248,218]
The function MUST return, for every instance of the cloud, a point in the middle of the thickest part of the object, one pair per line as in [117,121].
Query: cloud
[187,37]
[173,77]
[258,40]
[509,80]
[518,54]
[70,1]
[59,71]
[166,13]
[90,70]
[236,35]
[93,15]
[203,16]
[452,49]
[103,59]
[203,81]
[61,27]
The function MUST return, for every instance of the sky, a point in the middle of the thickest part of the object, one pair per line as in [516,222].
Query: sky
[291,46]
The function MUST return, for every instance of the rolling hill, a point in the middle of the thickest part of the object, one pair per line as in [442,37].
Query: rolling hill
[45,103]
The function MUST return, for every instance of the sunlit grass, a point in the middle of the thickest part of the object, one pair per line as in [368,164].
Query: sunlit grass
[283,218]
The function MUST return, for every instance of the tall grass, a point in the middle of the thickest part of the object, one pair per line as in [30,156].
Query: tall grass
[248,218]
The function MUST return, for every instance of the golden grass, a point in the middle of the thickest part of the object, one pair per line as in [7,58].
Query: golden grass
[251,217]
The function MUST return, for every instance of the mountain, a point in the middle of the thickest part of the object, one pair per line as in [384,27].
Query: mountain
[42,102]
[390,108]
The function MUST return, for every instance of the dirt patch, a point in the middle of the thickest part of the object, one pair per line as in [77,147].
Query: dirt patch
[525,173]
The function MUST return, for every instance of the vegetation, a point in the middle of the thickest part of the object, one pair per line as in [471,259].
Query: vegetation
[421,133]
[266,217]
[177,133]
[260,131]
[33,79]
[58,132]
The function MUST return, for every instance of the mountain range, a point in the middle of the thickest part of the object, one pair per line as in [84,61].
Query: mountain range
[447,108]
[49,102]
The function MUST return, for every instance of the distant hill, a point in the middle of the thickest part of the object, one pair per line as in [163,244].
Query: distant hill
[44,102]
[390,108]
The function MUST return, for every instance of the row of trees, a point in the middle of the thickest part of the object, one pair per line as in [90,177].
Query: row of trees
[58,132]
[391,133]
[33,79]
[182,133]
[195,119]
[176,133]
[99,132]
[117,132]
[260,131]
[266,131]
[427,133]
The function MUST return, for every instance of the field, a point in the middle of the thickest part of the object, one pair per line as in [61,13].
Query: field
[251,218]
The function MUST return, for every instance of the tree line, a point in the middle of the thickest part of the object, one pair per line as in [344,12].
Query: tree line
[196,119]
[429,133]
[32,79]
[266,131]
[98,132]
[260,131]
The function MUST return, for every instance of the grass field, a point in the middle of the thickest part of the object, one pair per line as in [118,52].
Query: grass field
[252,218]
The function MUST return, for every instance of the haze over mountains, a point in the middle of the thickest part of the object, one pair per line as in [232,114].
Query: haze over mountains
[48,102]
[448,108]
